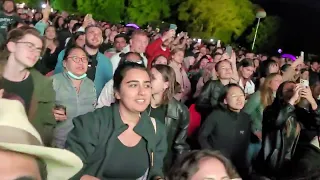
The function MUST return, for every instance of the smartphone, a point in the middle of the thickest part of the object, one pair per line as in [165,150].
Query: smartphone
[90,16]
[229,50]
[304,83]
[302,55]
[199,41]
[61,107]
[219,43]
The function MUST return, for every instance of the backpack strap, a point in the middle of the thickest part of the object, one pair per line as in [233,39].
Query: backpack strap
[154,123]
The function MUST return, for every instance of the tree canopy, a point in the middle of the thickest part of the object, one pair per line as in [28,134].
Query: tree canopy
[221,19]
[144,11]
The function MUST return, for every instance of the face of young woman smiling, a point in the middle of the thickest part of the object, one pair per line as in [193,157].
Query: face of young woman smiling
[135,90]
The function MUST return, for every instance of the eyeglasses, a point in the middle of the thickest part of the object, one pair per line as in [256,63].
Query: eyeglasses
[32,47]
[77,59]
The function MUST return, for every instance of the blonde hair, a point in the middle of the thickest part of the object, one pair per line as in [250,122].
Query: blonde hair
[266,93]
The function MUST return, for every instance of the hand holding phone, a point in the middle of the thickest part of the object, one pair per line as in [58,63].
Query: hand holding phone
[302,55]
[304,83]
[229,50]
[219,43]
[60,112]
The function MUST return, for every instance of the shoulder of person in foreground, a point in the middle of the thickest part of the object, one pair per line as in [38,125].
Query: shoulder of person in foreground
[84,137]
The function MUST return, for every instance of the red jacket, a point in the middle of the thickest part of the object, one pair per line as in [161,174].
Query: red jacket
[154,50]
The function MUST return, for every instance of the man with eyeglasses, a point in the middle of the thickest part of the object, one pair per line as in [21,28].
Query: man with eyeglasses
[24,48]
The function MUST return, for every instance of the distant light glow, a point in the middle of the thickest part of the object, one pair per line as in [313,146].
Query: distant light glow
[33,10]
[211,40]
[21,5]
[133,25]
[280,51]
[290,56]
[43,6]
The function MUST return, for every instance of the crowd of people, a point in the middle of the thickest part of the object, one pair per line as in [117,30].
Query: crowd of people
[88,100]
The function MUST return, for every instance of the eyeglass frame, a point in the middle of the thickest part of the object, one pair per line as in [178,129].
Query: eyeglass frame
[78,59]
[31,46]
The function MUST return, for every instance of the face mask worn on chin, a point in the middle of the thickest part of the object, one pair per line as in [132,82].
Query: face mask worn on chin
[70,74]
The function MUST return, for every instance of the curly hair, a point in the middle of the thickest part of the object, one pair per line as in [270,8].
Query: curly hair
[189,165]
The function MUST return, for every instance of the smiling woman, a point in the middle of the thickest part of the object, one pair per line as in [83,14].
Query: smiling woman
[131,145]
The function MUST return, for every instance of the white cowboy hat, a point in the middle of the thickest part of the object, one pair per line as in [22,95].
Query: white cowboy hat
[18,135]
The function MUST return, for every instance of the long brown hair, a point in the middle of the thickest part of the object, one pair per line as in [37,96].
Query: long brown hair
[266,93]
[169,76]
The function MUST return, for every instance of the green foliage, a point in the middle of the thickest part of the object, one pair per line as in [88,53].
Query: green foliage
[222,19]
[267,35]
[144,11]
[65,5]
[110,10]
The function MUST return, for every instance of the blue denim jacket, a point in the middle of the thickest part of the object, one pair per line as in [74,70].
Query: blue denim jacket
[76,103]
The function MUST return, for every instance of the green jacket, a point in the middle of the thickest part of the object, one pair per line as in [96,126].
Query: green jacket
[94,133]
[255,109]
[40,112]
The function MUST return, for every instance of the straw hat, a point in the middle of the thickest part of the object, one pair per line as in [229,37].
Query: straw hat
[18,135]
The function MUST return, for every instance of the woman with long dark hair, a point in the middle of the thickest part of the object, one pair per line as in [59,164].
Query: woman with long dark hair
[165,108]
[284,124]
[48,61]
[121,141]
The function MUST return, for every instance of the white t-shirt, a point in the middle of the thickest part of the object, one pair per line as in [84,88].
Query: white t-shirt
[249,87]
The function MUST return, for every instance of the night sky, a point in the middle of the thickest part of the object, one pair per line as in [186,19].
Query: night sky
[301,22]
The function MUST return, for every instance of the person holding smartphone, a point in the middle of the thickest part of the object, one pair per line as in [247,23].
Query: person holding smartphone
[75,93]
[160,47]
[285,125]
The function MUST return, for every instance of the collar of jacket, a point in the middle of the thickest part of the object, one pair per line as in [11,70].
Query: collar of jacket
[42,92]
[173,109]
[144,127]
[41,85]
